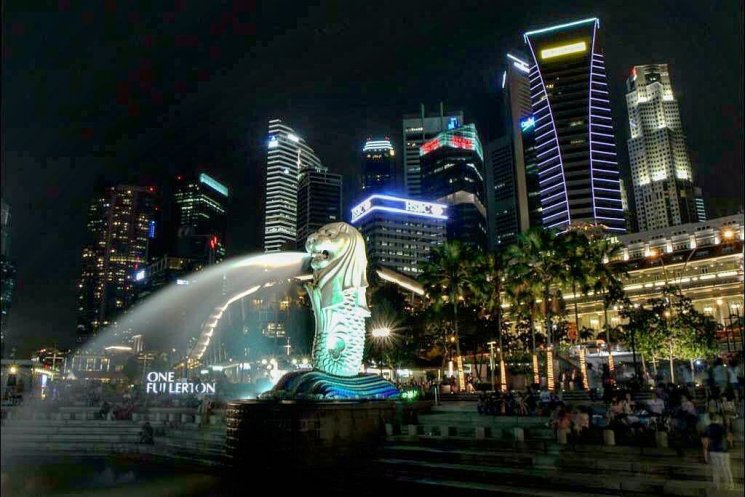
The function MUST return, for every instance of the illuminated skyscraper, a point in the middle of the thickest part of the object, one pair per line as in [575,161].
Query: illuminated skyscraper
[400,232]
[287,156]
[8,272]
[513,201]
[318,202]
[200,218]
[378,167]
[120,228]
[574,135]
[452,166]
[660,166]
[417,129]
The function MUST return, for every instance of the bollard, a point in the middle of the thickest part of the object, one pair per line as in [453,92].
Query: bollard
[186,418]
[411,431]
[444,431]
[480,433]
[213,419]
[609,438]
[561,436]
[388,430]
[135,417]
[519,434]
[661,439]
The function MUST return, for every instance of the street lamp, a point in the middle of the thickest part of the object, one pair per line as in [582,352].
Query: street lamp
[491,362]
[381,334]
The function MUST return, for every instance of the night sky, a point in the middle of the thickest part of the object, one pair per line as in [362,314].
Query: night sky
[107,91]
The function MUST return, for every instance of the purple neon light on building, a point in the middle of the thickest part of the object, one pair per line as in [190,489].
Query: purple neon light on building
[578,171]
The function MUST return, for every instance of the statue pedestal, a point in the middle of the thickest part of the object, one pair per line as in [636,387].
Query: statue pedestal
[281,436]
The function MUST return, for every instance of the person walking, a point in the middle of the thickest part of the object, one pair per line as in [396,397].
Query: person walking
[715,444]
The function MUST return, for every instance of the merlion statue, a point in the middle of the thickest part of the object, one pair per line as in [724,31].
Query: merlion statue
[337,295]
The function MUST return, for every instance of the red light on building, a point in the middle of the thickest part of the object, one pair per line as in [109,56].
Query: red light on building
[213,242]
[461,142]
[430,146]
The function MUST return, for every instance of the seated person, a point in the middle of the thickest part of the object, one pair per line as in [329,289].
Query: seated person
[656,406]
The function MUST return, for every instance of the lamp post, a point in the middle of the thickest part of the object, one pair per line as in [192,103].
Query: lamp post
[381,334]
[491,363]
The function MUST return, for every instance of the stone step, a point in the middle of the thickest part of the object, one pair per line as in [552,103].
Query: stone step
[456,442]
[447,488]
[543,478]
[569,461]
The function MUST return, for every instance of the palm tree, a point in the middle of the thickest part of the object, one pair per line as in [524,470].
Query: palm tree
[604,277]
[538,256]
[447,276]
[576,247]
[522,293]
[487,286]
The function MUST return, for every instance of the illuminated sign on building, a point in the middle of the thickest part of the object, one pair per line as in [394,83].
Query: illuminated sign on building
[561,50]
[167,383]
[213,183]
[388,203]
[527,123]
[151,229]
[453,123]
[140,275]
[464,137]
[273,142]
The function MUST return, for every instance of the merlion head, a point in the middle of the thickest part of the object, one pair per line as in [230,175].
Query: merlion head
[339,263]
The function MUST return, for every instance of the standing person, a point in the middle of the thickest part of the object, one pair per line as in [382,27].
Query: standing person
[715,444]
[719,373]
[732,374]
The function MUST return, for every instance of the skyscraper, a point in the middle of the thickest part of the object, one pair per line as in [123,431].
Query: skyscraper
[120,230]
[8,272]
[400,232]
[318,202]
[661,171]
[378,167]
[451,166]
[200,217]
[574,135]
[287,156]
[513,201]
[417,129]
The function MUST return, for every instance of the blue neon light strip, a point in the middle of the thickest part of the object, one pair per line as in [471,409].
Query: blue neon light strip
[398,210]
[518,60]
[213,183]
[589,135]
[561,26]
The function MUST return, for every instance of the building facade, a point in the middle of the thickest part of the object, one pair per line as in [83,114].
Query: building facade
[513,202]
[417,129]
[200,217]
[8,273]
[378,167]
[704,259]
[661,170]
[319,201]
[120,229]
[287,156]
[575,139]
[452,167]
[400,232]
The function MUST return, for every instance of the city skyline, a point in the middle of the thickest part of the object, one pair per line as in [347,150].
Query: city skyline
[449,90]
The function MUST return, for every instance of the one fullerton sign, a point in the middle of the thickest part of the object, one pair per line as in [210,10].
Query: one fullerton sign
[167,383]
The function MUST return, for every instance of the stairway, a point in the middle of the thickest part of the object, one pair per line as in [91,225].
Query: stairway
[437,466]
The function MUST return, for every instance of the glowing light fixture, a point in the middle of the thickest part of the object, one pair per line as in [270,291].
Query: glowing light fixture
[214,184]
[550,370]
[397,205]
[562,50]
[561,26]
